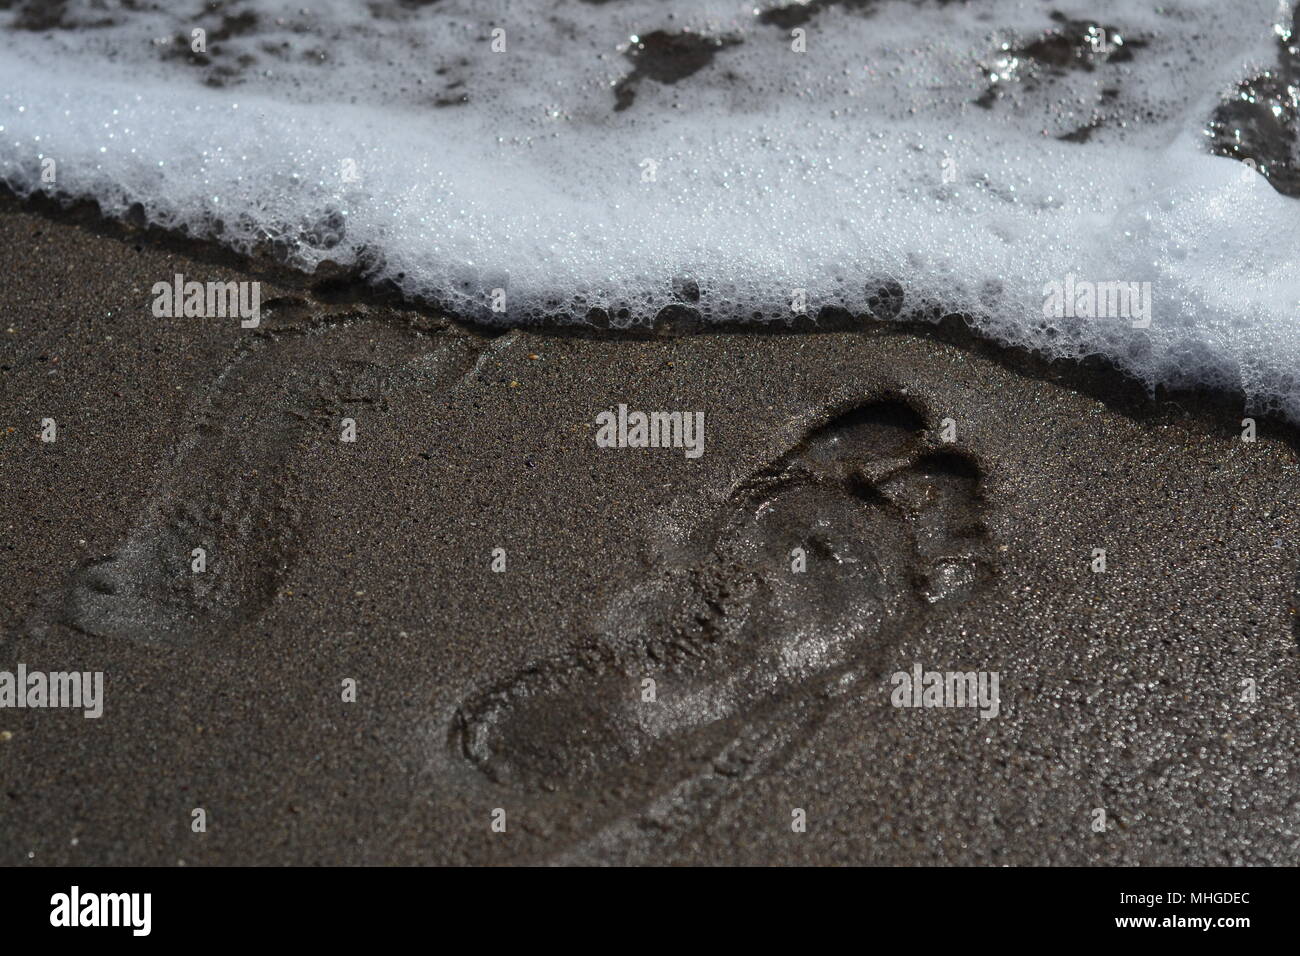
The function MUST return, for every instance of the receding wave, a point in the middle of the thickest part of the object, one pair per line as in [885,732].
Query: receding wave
[1121,186]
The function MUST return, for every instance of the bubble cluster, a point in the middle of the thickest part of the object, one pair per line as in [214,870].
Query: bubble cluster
[604,162]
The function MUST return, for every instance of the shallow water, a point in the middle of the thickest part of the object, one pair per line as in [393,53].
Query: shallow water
[605,161]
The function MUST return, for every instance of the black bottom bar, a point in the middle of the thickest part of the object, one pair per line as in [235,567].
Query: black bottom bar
[336,906]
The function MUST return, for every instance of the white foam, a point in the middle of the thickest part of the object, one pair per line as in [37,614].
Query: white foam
[774,171]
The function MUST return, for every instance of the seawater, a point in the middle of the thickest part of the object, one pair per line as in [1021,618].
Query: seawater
[602,161]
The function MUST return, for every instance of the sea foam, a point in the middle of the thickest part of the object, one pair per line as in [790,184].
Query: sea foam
[606,160]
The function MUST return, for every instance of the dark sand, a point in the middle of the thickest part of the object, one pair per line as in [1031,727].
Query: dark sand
[477,690]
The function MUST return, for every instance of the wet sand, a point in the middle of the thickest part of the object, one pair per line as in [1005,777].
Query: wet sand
[522,690]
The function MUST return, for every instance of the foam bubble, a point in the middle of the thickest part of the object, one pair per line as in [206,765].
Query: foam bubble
[626,157]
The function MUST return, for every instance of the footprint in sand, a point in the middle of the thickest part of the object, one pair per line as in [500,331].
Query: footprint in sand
[233,486]
[743,650]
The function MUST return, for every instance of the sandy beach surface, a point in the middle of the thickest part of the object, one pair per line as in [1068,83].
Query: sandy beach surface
[1162,690]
